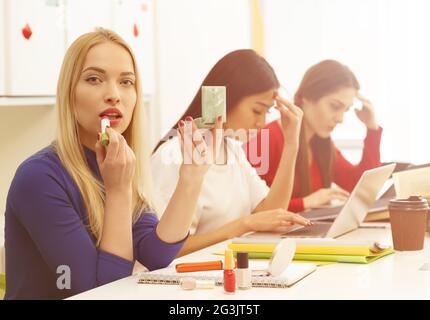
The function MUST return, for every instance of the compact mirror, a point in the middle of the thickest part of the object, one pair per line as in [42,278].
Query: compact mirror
[282,256]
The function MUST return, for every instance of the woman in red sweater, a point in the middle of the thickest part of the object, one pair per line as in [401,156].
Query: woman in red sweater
[326,92]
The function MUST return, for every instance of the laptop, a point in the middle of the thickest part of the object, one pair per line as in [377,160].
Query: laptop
[355,209]
[386,193]
[383,198]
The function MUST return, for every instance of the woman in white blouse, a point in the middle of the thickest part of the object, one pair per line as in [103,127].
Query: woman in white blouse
[234,200]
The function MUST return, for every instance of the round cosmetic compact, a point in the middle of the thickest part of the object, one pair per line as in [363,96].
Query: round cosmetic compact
[282,256]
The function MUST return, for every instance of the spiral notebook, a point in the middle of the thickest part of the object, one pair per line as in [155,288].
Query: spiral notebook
[292,274]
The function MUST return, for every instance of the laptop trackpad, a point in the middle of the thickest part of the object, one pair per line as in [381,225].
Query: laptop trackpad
[319,229]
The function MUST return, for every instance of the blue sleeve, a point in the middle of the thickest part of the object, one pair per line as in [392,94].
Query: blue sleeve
[40,200]
[149,249]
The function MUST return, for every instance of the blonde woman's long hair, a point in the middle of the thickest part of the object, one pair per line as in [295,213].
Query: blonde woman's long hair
[68,145]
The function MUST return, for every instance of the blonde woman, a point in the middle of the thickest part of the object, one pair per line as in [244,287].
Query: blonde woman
[78,215]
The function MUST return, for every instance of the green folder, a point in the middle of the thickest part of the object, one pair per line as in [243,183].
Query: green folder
[2,285]
[328,257]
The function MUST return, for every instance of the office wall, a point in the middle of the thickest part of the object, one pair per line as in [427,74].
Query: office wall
[2,52]
[191,36]
[382,42]
[23,131]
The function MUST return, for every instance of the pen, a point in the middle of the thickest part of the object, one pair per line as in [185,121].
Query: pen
[199,266]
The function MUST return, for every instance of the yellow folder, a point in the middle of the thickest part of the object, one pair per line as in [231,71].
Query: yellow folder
[310,249]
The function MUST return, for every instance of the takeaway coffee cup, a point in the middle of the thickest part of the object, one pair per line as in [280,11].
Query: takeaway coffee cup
[408,219]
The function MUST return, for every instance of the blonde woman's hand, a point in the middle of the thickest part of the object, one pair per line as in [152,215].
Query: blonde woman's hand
[291,120]
[367,113]
[324,196]
[116,162]
[199,147]
[273,220]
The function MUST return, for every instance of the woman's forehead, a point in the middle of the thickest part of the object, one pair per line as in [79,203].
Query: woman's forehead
[110,57]
[345,96]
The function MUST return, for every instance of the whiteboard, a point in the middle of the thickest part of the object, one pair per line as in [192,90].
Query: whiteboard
[32,65]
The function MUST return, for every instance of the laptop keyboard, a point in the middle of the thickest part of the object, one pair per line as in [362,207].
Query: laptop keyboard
[322,214]
[319,229]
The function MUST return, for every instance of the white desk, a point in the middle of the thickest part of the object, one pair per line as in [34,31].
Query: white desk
[396,276]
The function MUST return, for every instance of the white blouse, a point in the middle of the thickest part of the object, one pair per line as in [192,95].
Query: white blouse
[228,192]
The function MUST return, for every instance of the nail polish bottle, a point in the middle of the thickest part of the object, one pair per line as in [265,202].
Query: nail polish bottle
[243,273]
[229,273]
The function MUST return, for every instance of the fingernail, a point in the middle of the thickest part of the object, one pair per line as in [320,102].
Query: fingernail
[189,118]
[181,124]
[219,118]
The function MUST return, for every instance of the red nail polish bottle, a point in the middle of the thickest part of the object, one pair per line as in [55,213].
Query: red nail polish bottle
[229,273]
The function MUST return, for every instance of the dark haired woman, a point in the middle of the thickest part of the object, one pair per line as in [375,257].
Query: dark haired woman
[326,92]
[234,199]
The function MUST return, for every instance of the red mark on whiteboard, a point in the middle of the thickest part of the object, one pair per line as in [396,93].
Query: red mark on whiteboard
[27,32]
[135,30]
